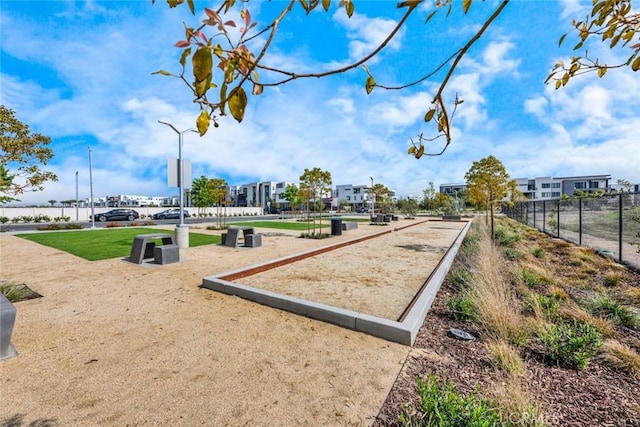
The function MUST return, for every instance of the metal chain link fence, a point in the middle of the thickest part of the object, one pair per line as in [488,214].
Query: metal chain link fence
[609,224]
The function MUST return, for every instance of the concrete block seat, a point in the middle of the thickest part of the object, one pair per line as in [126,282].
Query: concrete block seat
[253,240]
[166,254]
[349,226]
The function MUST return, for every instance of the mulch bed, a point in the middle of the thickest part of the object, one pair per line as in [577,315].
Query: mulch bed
[597,396]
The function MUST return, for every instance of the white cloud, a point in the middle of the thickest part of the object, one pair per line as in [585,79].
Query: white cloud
[367,34]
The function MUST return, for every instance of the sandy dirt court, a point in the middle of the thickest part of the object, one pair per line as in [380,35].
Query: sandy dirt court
[113,343]
[379,276]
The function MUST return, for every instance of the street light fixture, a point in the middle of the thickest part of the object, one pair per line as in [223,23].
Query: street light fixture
[373,198]
[93,216]
[180,167]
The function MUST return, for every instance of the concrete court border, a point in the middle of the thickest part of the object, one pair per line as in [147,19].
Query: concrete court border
[403,332]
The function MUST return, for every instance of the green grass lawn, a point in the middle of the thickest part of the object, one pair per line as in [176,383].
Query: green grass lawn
[282,225]
[94,245]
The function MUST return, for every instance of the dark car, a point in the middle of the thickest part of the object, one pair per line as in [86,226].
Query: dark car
[117,215]
[170,214]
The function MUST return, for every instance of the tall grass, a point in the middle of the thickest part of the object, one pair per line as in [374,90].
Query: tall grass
[498,309]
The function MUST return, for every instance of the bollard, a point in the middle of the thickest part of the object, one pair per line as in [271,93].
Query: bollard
[7,320]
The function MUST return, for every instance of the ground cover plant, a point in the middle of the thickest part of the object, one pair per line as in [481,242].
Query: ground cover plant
[17,291]
[95,245]
[570,319]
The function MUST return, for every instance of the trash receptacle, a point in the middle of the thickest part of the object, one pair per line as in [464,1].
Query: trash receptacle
[336,226]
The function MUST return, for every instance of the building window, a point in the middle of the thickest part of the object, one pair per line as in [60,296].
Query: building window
[593,184]
[356,191]
[546,194]
[546,185]
[348,197]
[555,185]
[280,185]
[555,194]
[579,185]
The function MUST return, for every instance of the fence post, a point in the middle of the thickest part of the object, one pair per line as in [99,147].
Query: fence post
[534,214]
[544,216]
[620,228]
[558,219]
[579,221]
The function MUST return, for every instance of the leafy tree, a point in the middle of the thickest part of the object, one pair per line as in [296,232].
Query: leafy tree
[444,202]
[21,155]
[428,197]
[316,183]
[202,194]
[610,21]
[381,196]
[227,56]
[292,195]
[487,183]
[52,202]
[217,187]
[6,181]
[408,207]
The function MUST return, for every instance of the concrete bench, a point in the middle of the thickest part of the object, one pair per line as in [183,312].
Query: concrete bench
[349,226]
[253,240]
[144,247]
[166,254]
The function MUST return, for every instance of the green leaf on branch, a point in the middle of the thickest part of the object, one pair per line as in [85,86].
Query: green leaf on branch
[370,84]
[420,152]
[191,7]
[202,123]
[326,4]
[602,71]
[350,8]
[412,150]
[237,102]
[184,56]
[163,72]
[635,66]
[429,115]
[202,64]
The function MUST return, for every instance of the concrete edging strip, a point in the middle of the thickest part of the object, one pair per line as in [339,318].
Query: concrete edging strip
[404,332]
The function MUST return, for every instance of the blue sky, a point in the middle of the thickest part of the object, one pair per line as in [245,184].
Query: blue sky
[80,72]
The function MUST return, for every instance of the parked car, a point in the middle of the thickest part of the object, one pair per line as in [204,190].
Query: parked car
[117,215]
[173,213]
[364,210]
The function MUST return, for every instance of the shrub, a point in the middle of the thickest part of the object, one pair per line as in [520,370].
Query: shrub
[111,225]
[537,252]
[512,254]
[549,305]
[460,279]
[506,357]
[17,292]
[571,344]
[462,308]
[444,406]
[3,219]
[611,280]
[531,279]
[41,218]
[313,235]
[504,238]
[26,218]
[622,357]
[605,307]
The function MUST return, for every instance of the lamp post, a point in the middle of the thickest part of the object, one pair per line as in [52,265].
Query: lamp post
[183,238]
[373,198]
[93,219]
[77,196]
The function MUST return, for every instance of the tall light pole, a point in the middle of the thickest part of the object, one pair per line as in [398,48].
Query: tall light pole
[77,218]
[93,219]
[373,198]
[179,235]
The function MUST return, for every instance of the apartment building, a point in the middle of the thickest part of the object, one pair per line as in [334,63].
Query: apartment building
[264,194]
[543,188]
